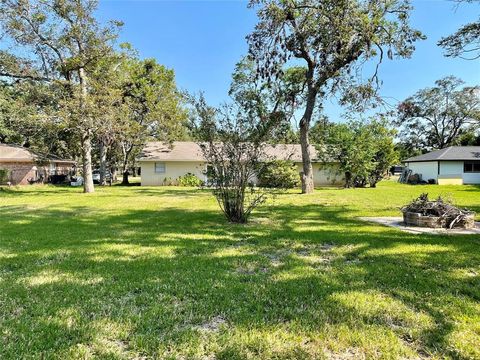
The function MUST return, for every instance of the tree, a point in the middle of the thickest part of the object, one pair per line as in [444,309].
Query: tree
[232,142]
[273,103]
[27,118]
[152,108]
[64,43]
[333,39]
[363,152]
[434,118]
[465,42]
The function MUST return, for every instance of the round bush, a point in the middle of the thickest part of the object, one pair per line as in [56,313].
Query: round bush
[279,174]
[189,179]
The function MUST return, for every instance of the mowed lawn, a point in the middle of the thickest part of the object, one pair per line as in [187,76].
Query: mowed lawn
[157,273]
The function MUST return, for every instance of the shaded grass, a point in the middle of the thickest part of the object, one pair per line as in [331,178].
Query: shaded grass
[158,273]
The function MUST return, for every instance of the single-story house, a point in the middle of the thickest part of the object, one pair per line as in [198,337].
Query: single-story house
[452,165]
[163,163]
[24,166]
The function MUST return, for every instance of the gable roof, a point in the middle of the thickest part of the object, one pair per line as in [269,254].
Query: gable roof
[16,153]
[451,153]
[190,151]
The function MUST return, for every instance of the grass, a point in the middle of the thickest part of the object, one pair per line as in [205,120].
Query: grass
[135,272]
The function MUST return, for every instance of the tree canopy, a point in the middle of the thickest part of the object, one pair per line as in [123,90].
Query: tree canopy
[332,39]
[434,118]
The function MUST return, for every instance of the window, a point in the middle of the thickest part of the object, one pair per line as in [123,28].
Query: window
[471,167]
[160,168]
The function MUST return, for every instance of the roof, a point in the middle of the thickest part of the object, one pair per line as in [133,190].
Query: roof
[16,153]
[190,151]
[451,153]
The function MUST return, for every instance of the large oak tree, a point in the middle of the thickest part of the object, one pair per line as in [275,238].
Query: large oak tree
[332,39]
[61,42]
[436,117]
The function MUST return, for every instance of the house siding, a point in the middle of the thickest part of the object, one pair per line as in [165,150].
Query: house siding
[428,169]
[451,172]
[322,175]
[451,168]
[173,170]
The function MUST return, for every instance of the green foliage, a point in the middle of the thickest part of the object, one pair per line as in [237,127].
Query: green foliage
[274,103]
[279,174]
[151,108]
[465,42]
[190,180]
[232,142]
[364,151]
[436,117]
[4,176]
[331,40]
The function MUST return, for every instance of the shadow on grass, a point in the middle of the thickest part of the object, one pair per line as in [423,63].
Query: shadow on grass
[149,279]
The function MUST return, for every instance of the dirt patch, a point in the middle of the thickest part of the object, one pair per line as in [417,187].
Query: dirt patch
[212,326]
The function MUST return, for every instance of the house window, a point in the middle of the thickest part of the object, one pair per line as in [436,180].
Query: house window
[159,168]
[471,167]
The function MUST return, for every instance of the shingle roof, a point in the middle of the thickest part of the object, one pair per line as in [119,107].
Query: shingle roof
[16,153]
[190,151]
[449,154]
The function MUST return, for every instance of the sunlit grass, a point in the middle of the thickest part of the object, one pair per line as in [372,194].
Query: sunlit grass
[135,272]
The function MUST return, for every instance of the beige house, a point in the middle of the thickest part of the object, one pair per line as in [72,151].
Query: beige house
[163,163]
[24,166]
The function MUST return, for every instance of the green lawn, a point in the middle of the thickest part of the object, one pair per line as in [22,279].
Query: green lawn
[133,272]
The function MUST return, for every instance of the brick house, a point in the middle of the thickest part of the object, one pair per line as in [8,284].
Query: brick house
[24,166]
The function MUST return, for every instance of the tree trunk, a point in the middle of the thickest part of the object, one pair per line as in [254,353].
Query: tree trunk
[307,175]
[348,179]
[87,163]
[125,178]
[126,154]
[113,172]
[103,163]
[86,137]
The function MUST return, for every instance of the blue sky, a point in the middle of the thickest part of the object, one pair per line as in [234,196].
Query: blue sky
[202,41]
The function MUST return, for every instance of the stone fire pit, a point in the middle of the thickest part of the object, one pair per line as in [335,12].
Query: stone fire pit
[417,219]
[439,213]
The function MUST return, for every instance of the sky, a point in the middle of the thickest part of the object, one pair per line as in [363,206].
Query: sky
[203,40]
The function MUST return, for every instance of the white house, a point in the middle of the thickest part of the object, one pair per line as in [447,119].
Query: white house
[452,165]
[163,163]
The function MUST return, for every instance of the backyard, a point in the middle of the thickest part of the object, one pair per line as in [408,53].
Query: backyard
[139,272]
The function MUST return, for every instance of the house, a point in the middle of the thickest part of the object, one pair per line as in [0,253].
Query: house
[24,166]
[163,163]
[452,165]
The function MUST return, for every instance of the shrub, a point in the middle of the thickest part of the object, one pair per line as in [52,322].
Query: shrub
[3,176]
[168,181]
[279,174]
[189,179]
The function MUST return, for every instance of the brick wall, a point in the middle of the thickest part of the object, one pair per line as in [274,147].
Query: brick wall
[19,173]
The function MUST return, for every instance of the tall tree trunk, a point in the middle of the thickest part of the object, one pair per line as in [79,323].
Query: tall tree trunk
[87,163]
[125,178]
[103,163]
[126,150]
[113,173]
[86,137]
[307,176]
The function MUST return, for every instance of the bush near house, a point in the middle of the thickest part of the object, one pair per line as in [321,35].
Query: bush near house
[279,174]
[3,176]
[189,179]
